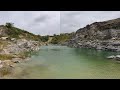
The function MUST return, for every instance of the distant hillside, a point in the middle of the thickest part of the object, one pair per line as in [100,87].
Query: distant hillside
[62,38]
[57,39]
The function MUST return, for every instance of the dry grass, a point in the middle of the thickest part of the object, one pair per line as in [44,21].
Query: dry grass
[23,55]
[5,57]
[5,71]
[3,44]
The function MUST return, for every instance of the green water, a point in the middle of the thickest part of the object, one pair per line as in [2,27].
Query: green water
[61,62]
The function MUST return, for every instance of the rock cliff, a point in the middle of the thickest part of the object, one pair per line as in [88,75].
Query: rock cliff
[99,35]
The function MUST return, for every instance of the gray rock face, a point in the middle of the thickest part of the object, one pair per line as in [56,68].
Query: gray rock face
[21,46]
[99,35]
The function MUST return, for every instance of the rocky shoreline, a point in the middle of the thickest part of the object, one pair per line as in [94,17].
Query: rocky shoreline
[109,45]
[19,51]
[98,35]
[16,46]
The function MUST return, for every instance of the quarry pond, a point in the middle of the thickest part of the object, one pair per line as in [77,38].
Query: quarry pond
[62,62]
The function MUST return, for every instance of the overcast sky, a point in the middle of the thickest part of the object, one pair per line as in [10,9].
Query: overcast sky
[54,22]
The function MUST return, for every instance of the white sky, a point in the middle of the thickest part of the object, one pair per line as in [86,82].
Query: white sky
[54,22]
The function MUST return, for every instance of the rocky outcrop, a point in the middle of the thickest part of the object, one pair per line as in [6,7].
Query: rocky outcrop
[99,35]
[22,45]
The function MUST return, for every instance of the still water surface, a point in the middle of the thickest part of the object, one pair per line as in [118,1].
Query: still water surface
[61,62]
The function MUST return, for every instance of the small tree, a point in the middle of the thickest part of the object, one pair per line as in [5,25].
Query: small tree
[9,25]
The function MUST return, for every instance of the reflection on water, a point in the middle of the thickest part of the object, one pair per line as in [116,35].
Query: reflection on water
[63,62]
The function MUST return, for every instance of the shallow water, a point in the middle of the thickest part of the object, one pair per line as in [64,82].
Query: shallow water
[61,62]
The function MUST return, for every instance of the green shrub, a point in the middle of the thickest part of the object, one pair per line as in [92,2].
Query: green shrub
[61,38]
[9,25]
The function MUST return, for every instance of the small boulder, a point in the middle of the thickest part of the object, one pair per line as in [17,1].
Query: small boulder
[117,57]
[1,65]
[12,39]
[11,66]
[0,61]
[16,61]
[111,57]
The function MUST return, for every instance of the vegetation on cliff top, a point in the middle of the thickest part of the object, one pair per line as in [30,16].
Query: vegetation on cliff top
[17,33]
